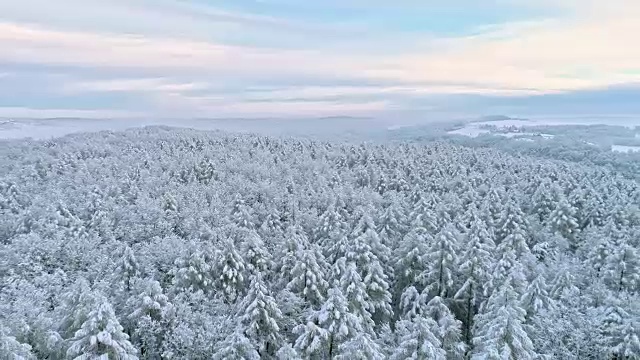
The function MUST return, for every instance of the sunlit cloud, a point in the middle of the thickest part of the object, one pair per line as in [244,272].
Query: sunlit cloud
[218,59]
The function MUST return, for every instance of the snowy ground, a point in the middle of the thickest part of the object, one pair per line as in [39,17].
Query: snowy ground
[503,128]
[334,127]
[624,148]
[475,129]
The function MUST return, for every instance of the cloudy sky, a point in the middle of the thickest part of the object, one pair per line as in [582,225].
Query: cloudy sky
[302,58]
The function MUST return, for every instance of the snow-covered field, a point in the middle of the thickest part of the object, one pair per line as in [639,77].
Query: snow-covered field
[624,148]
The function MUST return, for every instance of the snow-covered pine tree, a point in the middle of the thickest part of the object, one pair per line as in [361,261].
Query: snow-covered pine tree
[423,214]
[365,239]
[287,253]
[77,302]
[128,268]
[311,341]
[232,269]
[412,303]
[256,255]
[328,222]
[392,224]
[360,347]
[287,352]
[236,346]
[442,263]
[101,336]
[12,349]
[336,246]
[513,223]
[151,312]
[355,291]
[507,265]
[499,331]
[410,261]
[536,297]
[563,285]
[544,200]
[194,272]
[493,207]
[618,333]
[241,214]
[417,341]
[308,275]
[377,285]
[338,323]
[562,220]
[622,268]
[448,328]
[475,269]
[261,317]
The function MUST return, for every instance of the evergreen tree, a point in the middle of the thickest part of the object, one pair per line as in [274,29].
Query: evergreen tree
[507,266]
[236,347]
[77,302]
[241,214]
[256,255]
[311,340]
[360,347]
[442,262]
[563,220]
[151,312]
[231,268]
[536,297]
[563,285]
[287,352]
[377,285]
[411,260]
[329,222]
[196,272]
[622,268]
[447,329]
[101,336]
[499,329]
[262,317]
[475,269]
[336,319]
[12,349]
[128,268]
[308,276]
[412,303]
[358,300]
[417,341]
[295,240]
[423,212]
[544,201]
[361,251]
[513,224]
[619,338]
[366,239]
[293,310]
[391,225]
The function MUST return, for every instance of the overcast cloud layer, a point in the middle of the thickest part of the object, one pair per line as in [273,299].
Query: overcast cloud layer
[290,58]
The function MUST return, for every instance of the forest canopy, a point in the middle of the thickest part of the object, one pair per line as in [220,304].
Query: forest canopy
[163,243]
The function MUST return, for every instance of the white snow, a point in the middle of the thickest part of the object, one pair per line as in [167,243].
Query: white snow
[624,148]
[471,131]
[525,134]
[475,129]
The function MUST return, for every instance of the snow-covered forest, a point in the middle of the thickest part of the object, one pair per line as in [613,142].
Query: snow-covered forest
[162,243]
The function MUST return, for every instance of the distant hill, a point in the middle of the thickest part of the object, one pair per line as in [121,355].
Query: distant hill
[497,118]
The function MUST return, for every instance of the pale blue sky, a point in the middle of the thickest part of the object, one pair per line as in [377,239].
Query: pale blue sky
[293,58]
